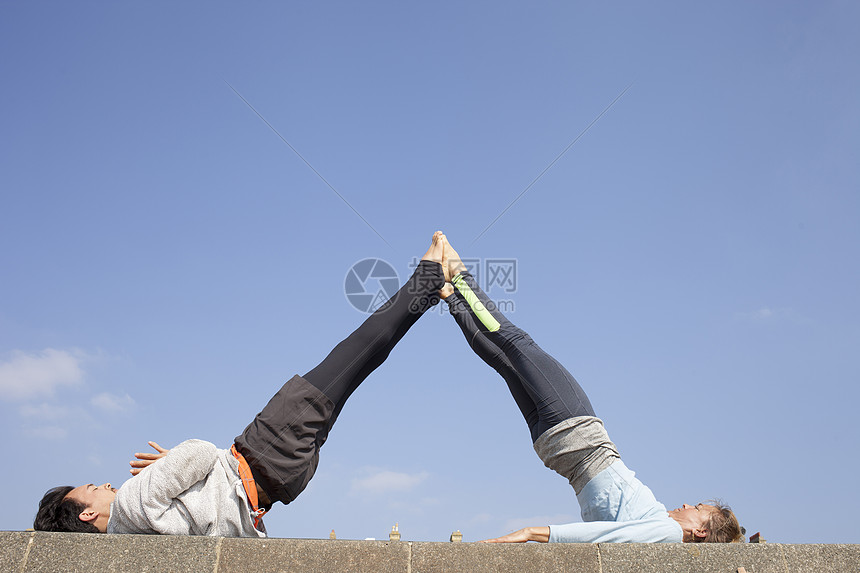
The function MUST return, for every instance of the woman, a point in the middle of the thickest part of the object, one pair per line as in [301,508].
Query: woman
[616,507]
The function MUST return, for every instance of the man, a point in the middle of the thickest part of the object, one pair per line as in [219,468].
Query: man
[198,489]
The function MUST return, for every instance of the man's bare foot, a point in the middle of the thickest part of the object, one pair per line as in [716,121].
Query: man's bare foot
[446,253]
[455,265]
[434,253]
[446,291]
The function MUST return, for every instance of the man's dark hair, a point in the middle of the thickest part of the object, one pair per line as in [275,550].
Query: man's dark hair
[60,513]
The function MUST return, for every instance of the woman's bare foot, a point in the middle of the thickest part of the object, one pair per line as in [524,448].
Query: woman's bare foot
[434,253]
[455,265]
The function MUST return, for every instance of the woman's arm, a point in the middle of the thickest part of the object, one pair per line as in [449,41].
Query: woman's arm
[655,530]
[540,534]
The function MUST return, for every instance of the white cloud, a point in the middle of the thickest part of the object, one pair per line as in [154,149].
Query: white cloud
[52,421]
[385,481]
[45,411]
[764,313]
[112,403]
[47,432]
[24,375]
[35,378]
[517,523]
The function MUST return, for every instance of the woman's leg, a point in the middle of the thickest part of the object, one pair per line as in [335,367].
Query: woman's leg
[567,437]
[281,445]
[495,358]
[556,394]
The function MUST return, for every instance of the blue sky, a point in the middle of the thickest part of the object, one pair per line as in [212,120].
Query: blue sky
[168,261]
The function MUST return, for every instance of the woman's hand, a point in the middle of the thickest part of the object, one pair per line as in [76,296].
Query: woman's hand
[540,534]
[145,460]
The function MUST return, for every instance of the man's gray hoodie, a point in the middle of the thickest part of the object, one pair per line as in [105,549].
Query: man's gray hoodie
[194,490]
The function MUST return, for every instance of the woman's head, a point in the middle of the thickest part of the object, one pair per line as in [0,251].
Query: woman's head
[711,522]
[722,526]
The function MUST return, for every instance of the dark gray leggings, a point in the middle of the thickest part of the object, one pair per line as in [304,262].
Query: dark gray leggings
[282,443]
[544,390]
[359,354]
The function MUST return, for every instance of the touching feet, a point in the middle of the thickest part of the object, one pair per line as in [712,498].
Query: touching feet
[442,252]
[435,252]
[455,266]
[451,266]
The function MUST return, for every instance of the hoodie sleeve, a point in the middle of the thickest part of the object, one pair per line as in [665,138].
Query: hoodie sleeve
[658,530]
[157,485]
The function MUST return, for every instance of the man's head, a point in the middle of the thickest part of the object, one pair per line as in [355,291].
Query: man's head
[708,523]
[84,509]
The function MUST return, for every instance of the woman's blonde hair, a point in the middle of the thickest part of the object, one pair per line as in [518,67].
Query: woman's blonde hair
[723,526]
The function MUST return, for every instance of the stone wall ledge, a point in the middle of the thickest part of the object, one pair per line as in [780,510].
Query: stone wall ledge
[28,551]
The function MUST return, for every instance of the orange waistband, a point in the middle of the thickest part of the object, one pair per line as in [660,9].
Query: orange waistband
[249,484]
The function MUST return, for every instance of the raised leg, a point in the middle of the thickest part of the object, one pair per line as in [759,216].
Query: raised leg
[353,359]
[282,443]
[554,392]
[496,359]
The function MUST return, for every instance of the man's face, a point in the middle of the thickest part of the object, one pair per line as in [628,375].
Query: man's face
[97,500]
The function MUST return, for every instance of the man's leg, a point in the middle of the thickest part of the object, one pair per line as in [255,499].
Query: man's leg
[282,444]
[351,361]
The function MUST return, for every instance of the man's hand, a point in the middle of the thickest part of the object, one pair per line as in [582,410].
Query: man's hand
[526,534]
[144,460]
